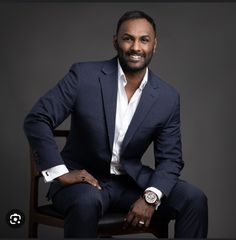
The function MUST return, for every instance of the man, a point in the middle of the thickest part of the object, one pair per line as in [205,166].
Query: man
[118,108]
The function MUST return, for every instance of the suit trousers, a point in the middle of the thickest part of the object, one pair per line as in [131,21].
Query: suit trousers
[82,206]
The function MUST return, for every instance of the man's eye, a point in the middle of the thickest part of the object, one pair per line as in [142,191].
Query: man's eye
[145,40]
[127,39]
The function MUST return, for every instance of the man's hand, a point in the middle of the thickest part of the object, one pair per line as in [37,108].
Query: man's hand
[78,176]
[140,211]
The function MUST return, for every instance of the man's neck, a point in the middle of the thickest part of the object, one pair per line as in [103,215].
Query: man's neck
[133,82]
[134,79]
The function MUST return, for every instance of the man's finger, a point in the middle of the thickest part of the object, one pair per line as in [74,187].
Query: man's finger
[135,221]
[130,217]
[98,186]
[147,222]
[94,183]
[125,224]
[141,223]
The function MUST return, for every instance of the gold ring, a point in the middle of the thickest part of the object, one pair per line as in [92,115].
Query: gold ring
[141,222]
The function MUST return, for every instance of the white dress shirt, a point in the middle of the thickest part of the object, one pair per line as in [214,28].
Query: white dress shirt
[124,113]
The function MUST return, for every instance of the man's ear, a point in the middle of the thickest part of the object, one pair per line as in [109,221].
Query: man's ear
[155,45]
[115,44]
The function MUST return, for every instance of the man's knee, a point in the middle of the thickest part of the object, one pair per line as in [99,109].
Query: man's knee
[185,194]
[196,198]
[79,199]
[198,195]
[87,201]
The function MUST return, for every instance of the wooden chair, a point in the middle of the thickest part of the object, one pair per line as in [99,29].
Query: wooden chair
[111,224]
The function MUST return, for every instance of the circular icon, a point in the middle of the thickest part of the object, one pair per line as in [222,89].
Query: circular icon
[15,218]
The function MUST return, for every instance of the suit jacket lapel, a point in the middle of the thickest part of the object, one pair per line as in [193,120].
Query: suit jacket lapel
[109,85]
[149,96]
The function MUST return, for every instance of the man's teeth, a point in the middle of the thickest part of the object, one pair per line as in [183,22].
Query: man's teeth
[135,57]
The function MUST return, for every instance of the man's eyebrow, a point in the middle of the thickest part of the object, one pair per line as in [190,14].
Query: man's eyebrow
[130,35]
[127,34]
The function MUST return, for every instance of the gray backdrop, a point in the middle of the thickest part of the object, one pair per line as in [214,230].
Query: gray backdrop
[196,54]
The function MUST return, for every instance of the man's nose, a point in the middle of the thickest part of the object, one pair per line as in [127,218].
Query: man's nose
[136,46]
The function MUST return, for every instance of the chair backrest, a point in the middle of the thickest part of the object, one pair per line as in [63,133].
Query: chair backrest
[110,224]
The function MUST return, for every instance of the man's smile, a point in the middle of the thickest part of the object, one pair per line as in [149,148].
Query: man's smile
[135,57]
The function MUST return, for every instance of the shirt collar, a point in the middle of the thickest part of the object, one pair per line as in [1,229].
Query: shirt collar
[122,78]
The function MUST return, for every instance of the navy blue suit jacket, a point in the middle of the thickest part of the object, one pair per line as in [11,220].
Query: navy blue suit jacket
[88,92]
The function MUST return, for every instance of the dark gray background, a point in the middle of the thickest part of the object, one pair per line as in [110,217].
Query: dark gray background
[196,54]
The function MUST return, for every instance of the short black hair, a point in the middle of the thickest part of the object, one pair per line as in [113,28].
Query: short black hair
[135,15]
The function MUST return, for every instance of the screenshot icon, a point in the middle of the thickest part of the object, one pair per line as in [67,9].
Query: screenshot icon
[15,218]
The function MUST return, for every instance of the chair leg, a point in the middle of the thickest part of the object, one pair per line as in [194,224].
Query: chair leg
[33,230]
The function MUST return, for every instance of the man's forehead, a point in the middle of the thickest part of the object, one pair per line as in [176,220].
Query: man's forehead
[139,27]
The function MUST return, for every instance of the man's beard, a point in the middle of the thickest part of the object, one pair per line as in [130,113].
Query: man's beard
[124,62]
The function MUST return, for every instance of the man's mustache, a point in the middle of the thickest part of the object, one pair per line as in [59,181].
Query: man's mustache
[136,53]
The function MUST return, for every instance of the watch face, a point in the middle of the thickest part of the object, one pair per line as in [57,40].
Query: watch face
[150,197]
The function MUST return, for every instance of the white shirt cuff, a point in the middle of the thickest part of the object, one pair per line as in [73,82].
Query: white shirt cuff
[54,172]
[155,190]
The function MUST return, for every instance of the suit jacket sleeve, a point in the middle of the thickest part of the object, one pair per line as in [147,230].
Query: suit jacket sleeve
[50,110]
[168,154]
